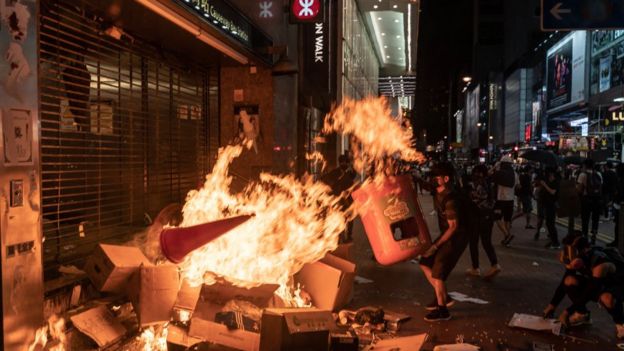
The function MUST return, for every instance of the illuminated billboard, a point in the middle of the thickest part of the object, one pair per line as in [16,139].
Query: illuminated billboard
[566,72]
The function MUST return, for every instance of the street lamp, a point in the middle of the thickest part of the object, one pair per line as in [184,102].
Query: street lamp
[467,79]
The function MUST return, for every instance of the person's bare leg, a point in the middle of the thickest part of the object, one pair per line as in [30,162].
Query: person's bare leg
[440,290]
[427,271]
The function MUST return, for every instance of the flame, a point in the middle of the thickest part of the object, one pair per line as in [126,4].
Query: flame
[154,339]
[56,330]
[297,221]
[317,158]
[376,136]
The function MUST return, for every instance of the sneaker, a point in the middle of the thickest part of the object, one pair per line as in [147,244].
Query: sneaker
[577,319]
[507,240]
[433,305]
[492,272]
[439,314]
[475,272]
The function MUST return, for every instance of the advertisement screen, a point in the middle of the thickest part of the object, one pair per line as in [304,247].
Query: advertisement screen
[566,71]
[471,130]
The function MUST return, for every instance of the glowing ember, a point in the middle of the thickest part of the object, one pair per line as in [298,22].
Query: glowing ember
[154,339]
[53,332]
[376,135]
[296,222]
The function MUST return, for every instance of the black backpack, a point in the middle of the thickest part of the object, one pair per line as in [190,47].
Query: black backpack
[593,184]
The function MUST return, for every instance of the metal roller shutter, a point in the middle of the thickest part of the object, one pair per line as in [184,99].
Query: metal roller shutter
[126,130]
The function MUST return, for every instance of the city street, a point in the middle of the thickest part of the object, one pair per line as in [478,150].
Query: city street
[529,277]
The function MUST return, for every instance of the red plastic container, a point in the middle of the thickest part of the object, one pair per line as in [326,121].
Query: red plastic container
[393,219]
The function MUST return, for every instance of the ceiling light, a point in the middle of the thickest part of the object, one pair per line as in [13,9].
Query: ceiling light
[383,33]
[395,6]
[398,36]
[618,99]
[379,18]
[385,46]
[375,6]
[399,48]
[396,21]
[387,57]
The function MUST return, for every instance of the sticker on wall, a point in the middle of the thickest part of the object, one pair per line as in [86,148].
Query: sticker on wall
[247,121]
[17,133]
[17,193]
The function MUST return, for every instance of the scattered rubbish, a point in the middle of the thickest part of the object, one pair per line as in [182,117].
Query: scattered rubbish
[362,280]
[535,264]
[328,281]
[527,321]
[576,338]
[405,343]
[414,261]
[72,270]
[539,346]
[456,347]
[343,341]
[295,329]
[179,336]
[153,291]
[465,298]
[110,266]
[99,324]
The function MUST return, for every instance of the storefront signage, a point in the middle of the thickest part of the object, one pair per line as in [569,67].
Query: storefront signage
[566,72]
[317,40]
[306,10]
[617,117]
[227,19]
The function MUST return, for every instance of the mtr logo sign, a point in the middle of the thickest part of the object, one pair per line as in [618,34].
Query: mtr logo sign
[306,10]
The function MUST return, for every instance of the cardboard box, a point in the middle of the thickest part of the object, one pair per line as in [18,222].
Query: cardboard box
[328,281]
[406,343]
[153,291]
[110,266]
[211,301]
[179,336]
[186,301]
[99,324]
[345,340]
[302,329]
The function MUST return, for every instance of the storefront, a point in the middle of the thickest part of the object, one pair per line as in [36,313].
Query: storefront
[134,99]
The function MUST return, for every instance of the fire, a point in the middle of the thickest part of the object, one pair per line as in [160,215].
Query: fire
[54,331]
[376,136]
[317,158]
[297,221]
[154,339]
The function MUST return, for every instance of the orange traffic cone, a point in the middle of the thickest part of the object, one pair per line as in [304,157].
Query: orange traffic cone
[176,243]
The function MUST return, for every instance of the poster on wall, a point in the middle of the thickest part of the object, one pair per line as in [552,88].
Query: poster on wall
[17,135]
[605,74]
[566,71]
[247,122]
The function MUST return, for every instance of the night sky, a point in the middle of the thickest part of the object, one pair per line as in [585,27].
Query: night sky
[445,49]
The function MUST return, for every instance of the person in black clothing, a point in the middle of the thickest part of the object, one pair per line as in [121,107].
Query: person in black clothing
[440,259]
[589,185]
[549,188]
[482,196]
[592,274]
[524,192]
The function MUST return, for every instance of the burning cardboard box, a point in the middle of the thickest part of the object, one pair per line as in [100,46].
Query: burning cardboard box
[328,281]
[153,291]
[302,329]
[211,303]
[111,266]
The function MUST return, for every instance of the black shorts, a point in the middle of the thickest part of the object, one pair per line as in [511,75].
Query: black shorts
[527,203]
[505,208]
[445,259]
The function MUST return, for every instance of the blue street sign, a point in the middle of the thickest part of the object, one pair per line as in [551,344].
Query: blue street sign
[582,14]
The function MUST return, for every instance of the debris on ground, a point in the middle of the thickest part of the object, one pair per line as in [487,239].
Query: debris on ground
[456,347]
[527,321]
[362,280]
[465,298]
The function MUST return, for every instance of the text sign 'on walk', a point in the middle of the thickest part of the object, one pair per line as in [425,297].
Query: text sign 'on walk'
[582,14]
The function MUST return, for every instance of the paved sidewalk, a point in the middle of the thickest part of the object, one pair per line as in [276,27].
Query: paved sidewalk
[529,277]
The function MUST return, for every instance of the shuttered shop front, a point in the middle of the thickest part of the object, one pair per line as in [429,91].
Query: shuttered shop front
[126,128]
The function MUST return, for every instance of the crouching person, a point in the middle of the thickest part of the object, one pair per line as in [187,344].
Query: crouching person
[592,274]
[439,260]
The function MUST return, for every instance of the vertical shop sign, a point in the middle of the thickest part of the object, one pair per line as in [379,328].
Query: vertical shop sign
[316,57]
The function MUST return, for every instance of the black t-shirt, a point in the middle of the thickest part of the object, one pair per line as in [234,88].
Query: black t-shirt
[525,185]
[449,206]
[546,196]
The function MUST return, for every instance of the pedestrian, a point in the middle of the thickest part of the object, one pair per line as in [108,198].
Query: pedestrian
[589,185]
[549,191]
[524,192]
[482,196]
[505,179]
[454,216]
[538,176]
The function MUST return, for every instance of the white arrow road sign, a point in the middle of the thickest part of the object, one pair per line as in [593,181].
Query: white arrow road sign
[557,11]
